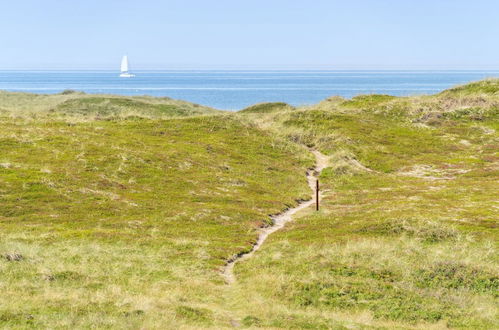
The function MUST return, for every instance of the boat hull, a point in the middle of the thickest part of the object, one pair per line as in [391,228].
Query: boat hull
[127,75]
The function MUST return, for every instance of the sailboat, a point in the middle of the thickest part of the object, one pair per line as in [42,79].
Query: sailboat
[124,68]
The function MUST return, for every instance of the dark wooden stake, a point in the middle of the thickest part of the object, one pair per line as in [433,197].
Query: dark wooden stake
[317,195]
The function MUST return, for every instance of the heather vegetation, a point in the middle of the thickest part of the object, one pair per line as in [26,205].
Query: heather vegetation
[71,105]
[267,107]
[121,212]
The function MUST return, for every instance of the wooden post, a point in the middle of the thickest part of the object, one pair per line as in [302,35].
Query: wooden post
[317,195]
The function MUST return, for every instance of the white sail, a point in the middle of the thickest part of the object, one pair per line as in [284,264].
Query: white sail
[124,64]
[125,68]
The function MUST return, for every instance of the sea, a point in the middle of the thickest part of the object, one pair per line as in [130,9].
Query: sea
[237,89]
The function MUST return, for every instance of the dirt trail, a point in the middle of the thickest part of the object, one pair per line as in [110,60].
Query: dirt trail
[279,220]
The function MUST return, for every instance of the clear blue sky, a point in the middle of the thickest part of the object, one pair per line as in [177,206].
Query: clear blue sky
[279,34]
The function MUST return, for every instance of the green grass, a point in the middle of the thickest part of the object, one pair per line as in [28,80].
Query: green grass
[76,106]
[119,212]
[367,102]
[488,86]
[406,238]
[104,107]
[378,142]
[267,108]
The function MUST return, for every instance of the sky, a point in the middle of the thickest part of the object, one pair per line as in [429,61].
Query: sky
[251,34]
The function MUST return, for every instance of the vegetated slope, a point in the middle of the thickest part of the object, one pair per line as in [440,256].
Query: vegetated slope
[125,223]
[80,106]
[267,108]
[487,87]
[407,234]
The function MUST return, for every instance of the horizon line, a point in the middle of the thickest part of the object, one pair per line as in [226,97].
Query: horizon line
[257,69]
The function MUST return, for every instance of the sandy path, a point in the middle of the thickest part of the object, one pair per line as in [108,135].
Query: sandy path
[280,219]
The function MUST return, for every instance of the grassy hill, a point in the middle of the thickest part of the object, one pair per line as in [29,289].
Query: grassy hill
[121,211]
[119,223]
[80,106]
[407,235]
[267,108]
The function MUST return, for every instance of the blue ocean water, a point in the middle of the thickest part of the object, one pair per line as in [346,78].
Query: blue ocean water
[236,89]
